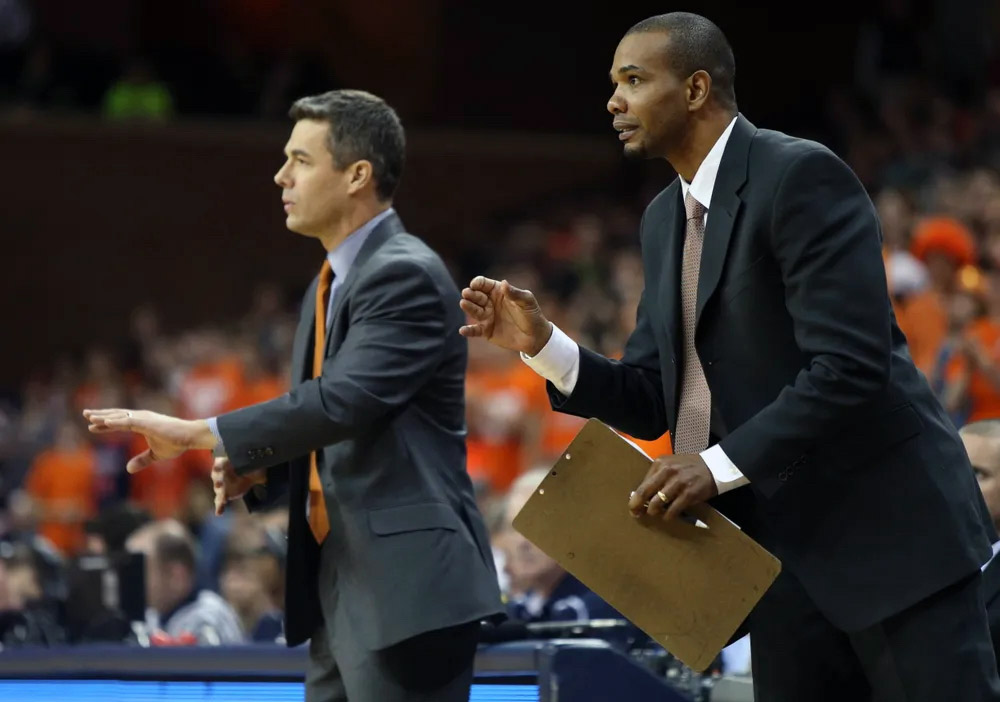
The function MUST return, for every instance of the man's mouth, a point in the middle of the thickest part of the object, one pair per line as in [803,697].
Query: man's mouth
[625,129]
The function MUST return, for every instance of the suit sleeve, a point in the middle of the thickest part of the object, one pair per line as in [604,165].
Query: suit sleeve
[827,243]
[398,334]
[626,394]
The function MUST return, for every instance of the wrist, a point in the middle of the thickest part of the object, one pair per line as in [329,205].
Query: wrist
[203,436]
[541,339]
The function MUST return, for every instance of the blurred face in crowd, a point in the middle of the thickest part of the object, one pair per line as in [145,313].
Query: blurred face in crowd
[19,585]
[942,270]
[70,437]
[651,104]
[167,584]
[246,583]
[895,216]
[314,192]
[984,454]
[963,308]
[527,566]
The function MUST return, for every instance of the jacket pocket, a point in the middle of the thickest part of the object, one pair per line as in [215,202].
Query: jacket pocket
[406,518]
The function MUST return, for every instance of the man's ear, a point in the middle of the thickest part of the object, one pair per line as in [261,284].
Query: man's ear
[361,174]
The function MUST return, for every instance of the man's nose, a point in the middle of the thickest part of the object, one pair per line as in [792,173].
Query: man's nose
[616,105]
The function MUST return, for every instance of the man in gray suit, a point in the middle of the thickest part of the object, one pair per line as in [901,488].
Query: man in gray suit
[389,565]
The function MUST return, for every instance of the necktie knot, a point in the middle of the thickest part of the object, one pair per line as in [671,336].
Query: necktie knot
[693,208]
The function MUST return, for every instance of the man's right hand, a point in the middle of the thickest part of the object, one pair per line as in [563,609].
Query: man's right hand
[229,485]
[504,315]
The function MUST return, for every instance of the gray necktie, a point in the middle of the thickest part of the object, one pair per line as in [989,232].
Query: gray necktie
[694,413]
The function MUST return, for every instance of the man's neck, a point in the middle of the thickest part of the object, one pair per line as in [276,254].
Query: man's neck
[341,229]
[691,152]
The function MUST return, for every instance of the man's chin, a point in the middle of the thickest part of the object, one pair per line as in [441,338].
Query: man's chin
[292,225]
[634,152]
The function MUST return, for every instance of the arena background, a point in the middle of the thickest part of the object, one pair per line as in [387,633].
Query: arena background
[146,261]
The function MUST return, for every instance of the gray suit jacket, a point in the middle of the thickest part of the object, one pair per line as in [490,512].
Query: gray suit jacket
[408,550]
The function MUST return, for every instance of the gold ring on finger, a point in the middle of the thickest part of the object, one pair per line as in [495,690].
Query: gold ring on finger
[663,498]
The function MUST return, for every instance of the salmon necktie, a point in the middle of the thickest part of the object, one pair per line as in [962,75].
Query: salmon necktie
[695,409]
[319,522]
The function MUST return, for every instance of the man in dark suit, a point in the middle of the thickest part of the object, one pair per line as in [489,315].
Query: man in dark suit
[389,564]
[766,344]
[982,442]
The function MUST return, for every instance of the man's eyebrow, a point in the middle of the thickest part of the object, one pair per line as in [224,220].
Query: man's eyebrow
[624,69]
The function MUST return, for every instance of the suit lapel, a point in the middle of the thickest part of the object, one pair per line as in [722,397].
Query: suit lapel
[303,343]
[672,252]
[386,229]
[723,210]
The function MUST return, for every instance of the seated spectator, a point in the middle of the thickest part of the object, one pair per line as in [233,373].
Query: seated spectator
[982,442]
[26,617]
[943,245]
[252,579]
[62,484]
[540,589]
[108,532]
[174,605]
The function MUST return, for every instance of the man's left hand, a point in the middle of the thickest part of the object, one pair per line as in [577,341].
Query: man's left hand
[673,484]
[168,437]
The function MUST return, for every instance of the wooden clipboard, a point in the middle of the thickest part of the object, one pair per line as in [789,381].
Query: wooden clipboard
[689,588]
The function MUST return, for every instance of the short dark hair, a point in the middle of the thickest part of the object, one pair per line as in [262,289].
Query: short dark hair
[362,127]
[697,44]
[172,547]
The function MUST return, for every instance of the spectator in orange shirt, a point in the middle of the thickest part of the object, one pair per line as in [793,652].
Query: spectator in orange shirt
[944,245]
[212,385]
[258,383]
[970,359]
[61,484]
[498,411]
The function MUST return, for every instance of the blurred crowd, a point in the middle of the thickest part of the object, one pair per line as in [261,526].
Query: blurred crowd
[64,493]
[930,158]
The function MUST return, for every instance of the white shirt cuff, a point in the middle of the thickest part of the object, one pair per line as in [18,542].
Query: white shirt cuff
[558,361]
[727,475]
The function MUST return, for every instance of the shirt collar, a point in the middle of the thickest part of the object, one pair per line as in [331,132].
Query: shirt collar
[703,183]
[343,256]
[996,549]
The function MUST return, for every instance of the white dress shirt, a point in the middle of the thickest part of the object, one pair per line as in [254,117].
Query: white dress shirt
[559,360]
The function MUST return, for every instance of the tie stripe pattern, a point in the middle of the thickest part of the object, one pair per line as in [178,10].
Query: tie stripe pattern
[694,413]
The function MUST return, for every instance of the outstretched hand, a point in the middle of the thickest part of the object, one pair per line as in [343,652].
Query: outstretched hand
[504,315]
[168,437]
